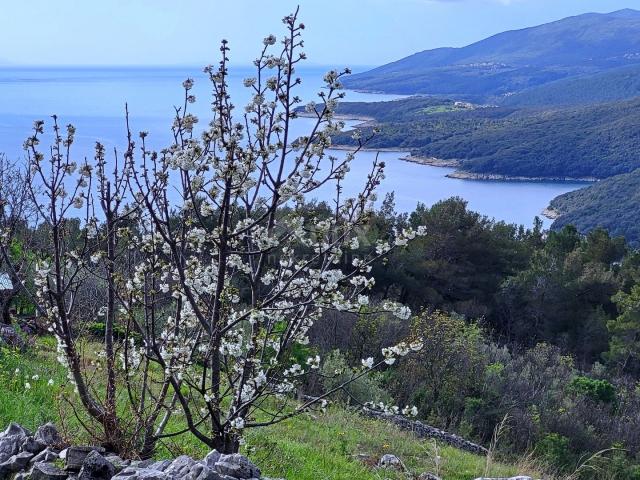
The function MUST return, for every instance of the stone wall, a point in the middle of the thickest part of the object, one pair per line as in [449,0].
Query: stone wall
[425,431]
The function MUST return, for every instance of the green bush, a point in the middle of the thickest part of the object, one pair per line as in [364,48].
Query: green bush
[553,448]
[598,390]
[336,371]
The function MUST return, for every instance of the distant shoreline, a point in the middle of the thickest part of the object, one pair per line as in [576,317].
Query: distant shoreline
[432,161]
[444,163]
[496,177]
[463,174]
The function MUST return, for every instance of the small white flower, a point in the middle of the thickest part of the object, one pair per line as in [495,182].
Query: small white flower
[367,362]
[237,423]
[314,362]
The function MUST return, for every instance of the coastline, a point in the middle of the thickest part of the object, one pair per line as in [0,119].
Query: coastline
[432,161]
[350,148]
[464,175]
[445,163]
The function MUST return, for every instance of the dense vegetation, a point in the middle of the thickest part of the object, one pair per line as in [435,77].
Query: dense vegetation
[612,204]
[515,60]
[586,141]
[616,84]
[539,329]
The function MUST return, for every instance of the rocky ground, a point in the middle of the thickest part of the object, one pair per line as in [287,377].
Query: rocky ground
[39,457]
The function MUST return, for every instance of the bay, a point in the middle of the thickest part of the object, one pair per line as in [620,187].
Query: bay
[93,99]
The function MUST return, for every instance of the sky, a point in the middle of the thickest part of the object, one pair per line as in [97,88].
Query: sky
[339,33]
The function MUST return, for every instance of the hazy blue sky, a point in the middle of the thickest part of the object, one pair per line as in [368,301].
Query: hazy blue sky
[339,32]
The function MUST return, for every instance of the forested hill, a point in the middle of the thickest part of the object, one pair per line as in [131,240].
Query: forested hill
[613,85]
[585,141]
[514,60]
[612,204]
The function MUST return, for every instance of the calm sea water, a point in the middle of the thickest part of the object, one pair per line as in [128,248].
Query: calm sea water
[93,100]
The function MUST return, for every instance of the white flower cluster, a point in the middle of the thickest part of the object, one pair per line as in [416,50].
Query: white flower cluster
[407,411]
[402,349]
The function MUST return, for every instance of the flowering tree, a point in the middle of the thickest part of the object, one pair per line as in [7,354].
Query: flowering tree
[224,270]
[82,275]
[248,273]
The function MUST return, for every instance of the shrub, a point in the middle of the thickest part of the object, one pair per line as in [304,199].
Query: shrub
[554,449]
[598,390]
[336,371]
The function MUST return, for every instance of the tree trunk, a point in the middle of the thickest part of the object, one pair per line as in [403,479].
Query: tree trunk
[226,443]
[5,308]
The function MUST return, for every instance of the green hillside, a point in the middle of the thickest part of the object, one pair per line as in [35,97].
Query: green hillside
[613,204]
[584,141]
[617,84]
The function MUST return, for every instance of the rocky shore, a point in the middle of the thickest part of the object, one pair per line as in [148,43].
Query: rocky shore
[464,175]
[432,161]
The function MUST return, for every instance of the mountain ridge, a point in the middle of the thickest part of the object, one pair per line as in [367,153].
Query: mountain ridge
[514,60]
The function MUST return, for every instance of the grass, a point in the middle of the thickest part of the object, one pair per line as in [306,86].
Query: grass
[338,444]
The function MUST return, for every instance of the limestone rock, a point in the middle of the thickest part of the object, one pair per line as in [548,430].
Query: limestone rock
[118,463]
[14,464]
[75,456]
[212,457]
[11,440]
[160,465]
[236,465]
[31,445]
[47,455]
[180,467]
[96,467]
[200,471]
[47,471]
[390,461]
[132,473]
[48,435]
[428,476]
[20,450]
[9,336]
